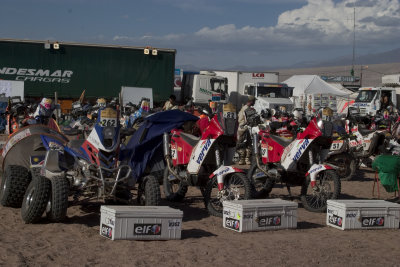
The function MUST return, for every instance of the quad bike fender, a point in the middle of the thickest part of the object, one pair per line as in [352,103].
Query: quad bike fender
[317,168]
[221,172]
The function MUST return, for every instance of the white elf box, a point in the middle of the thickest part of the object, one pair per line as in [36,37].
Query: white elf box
[259,215]
[362,214]
[140,222]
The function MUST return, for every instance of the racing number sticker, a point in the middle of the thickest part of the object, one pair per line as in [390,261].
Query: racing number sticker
[173,153]
[264,151]
[108,117]
[108,122]
[229,115]
[336,145]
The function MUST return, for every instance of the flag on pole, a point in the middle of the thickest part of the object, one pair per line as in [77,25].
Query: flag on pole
[352,72]
[82,96]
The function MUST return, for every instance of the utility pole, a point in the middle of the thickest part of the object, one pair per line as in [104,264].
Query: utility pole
[354,39]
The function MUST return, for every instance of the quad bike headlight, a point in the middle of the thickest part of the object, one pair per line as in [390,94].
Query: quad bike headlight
[108,133]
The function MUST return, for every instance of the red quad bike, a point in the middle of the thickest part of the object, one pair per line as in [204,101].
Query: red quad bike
[300,162]
[199,161]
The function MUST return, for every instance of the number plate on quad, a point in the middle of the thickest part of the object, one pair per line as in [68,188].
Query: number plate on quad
[108,117]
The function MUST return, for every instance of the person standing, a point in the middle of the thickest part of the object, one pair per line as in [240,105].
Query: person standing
[243,150]
[170,103]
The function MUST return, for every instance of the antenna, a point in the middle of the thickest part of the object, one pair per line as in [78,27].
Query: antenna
[354,37]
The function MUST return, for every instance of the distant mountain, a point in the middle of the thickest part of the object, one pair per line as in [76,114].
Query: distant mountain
[392,56]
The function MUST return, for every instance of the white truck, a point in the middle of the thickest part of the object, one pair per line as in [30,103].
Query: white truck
[263,85]
[270,95]
[207,86]
[368,100]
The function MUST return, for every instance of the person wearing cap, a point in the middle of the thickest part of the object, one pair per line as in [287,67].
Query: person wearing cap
[244,152]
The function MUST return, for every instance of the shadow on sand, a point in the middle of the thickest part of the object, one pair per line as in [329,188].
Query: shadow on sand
[308,225]
[195,233]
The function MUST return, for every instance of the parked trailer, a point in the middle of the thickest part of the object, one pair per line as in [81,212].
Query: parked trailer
[70,68]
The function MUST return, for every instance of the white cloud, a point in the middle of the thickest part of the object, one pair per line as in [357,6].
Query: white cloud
[318,25]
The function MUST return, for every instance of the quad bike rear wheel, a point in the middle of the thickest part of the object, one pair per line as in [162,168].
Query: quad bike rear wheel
[14,183]
[236,187]
[327,186]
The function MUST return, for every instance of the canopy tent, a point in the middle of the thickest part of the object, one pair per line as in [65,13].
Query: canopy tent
[312,84]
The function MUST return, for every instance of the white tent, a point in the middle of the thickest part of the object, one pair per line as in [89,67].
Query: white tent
[312,84]
[311,93]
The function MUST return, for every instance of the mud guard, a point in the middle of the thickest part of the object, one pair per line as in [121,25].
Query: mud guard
[317,168]
[221,172]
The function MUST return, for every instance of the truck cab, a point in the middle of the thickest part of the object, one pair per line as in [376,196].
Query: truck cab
[369,100]
[270,95]
[207,86]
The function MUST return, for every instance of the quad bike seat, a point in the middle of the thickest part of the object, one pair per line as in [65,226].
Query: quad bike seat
[71,131]
[282,141]
[75,144]
[190,139]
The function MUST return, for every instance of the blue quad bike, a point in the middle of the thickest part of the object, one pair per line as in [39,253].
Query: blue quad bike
[85,169]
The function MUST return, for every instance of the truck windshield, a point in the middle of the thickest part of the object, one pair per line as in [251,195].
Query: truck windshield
[273,92]
[365,96]
[220,86]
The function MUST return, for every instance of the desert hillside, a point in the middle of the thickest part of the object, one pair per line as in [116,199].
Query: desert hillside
[371,76]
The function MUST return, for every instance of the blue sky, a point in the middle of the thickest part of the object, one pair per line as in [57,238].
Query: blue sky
[213,33]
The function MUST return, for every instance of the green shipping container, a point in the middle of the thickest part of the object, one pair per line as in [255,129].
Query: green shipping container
[101,70]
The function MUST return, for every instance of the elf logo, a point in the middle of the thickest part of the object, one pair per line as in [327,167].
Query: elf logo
[232,224]
[336,220]
[269,221]
[106,231]
[147,229]
[373,221]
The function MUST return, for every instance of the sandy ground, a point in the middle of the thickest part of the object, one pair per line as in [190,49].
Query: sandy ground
[204,241]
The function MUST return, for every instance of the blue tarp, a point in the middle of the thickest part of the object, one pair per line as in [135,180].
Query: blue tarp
[146,142]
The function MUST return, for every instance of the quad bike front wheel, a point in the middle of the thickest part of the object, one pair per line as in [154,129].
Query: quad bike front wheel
[14,183]
[236,187]
[58,202]
[327,186]
[149,191]
[36,199]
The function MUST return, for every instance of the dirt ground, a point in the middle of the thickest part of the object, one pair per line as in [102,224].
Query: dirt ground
[77,242]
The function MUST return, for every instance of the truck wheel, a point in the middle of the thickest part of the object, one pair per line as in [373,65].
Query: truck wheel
[58,202]
[327,186]
[261,184]
[14,183]
[173,190]
[36,199]
[347,165]
[236,186]
[149,191]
